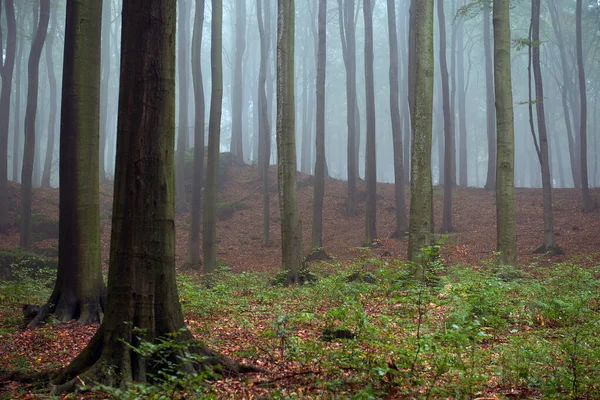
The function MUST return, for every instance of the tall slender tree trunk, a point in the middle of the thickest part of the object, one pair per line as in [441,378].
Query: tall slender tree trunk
[490,182]
[587,201]
[421,189]
[193,259]
[449,146]
[6,72]
[370,158]
[400,203]
[505,187]
[291,225]
[236,103]
[462,114]
[317,222]
[33,68]
[104,85]
[183,48]
[17,126]
[209,229]
[53,100]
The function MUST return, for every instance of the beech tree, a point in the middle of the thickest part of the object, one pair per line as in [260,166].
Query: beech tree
[53,100]
[370,159]
[490,182]
[7,64]
[291,225]
[79,291]
[33,68]
[142,301]
[193,251]
[421,189]
[505,187]
[237,147]
[183,120]
[104,85]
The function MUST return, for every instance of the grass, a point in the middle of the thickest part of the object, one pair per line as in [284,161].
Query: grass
[466,332]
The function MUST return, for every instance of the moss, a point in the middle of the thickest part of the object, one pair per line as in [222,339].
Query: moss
[42,227]
[226,210]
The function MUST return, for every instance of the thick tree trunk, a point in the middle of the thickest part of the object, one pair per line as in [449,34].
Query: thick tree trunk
[490,182]
[183,49]
[317,222]
[421,190]
[291,225]
[193,251]
[264,125]
[53,100]
[585,191]
[236,103]
[33,68]
[209,229]
[6,72]
[79,291]
[449,146]
[400,203]
[505,190]
[141,287]
[370,158]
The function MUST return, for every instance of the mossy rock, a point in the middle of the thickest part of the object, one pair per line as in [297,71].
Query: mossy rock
[42,227]
[226,210]
[304,277]
[361,277]
[317,254]
[334,335]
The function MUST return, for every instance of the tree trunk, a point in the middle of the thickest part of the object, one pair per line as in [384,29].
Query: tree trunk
[209,231]
[449,146]
[53,100]
[548,244]
[193,251]
[317,222]
[490,182]
[587,201]
[264,124]
[79,291]
[104,85]
[182,78]
[291,225]
[370,158]
[421,190]
[462,114]
[240,48]
[401,222]
[6,72]
[33,68]
[17,121]
[505,190]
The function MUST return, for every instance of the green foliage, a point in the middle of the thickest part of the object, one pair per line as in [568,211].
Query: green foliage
[42,227]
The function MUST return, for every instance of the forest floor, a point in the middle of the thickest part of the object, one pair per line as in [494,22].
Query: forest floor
[240,248]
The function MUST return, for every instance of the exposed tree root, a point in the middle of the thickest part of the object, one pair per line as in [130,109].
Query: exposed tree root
[85,312]
[554,250]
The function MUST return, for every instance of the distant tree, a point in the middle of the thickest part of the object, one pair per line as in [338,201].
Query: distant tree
[49,49]
[209,228]
[400,203]
[348,37]
[421,189]
[183,48]
[79,292]
[461,104]
[548,244]
[237,89]
[449,144]
[505,187]
[264,125]
[319,192]
[291,225]
[142,301]
[17,126]
[490,182]
[7,64]
[587,201]
[370,158]
[33,68]
[104,85]
[194,259]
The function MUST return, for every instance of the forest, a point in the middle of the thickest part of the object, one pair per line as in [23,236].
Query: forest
[299,199]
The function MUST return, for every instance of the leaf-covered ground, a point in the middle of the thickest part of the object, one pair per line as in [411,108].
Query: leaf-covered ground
[280,328]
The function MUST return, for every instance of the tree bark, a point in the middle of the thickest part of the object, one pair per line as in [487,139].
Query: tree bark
[17,121]
[370,158]
[490,182]
[400,203]
[291,225]
[505,190]
[6,72]
[104,85]
[183,49]
[240,48]
[33,68]
[319,192]
[421,189]
[53,100]
[462,114]
[194,259]
[209,229]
